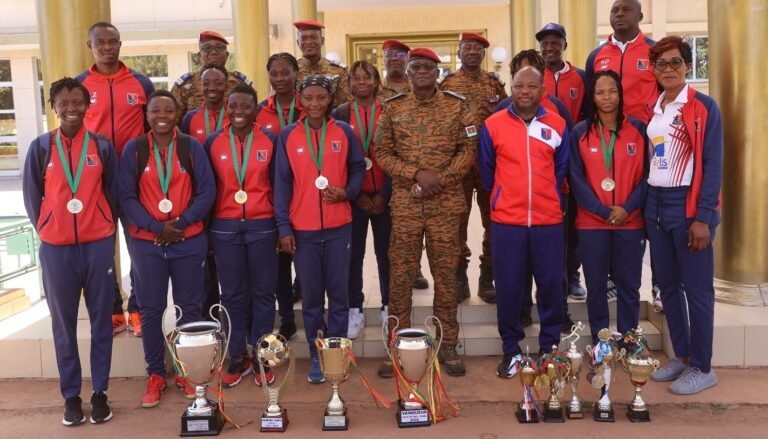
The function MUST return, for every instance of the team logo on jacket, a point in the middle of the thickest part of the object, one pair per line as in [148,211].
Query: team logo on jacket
[93,97]
[50,164]
[676,120]
[261,155]
[604,63]
[546,133]
[133,98]
[643,63]
[268,126]
[147,170]
[223,156]
[199,132]
[90,160]
[336,146]
[659,161]
[300,150]
[631,148]
[573,93]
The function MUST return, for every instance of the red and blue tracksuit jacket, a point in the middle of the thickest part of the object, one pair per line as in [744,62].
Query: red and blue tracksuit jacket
[629,169]
[570,87]
[192,193]
[634,68]
[46,191]
[118,104]
[267,116]
[522,166]
[299,205]
[194,122]
[376,181]
[258,182]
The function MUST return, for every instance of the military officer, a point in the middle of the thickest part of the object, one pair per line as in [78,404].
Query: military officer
[395,60]
[310,40]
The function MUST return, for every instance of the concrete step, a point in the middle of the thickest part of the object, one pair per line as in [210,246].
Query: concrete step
[13,301]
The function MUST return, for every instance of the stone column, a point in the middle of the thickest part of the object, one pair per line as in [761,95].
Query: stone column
[251,32]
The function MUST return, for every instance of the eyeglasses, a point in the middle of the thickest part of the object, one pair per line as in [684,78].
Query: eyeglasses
[396,54]
[422,67]
[216,48]
[661,64]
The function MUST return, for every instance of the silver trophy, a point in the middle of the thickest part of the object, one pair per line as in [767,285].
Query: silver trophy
[575,358]
[197,350]
[273,350]
[603,356]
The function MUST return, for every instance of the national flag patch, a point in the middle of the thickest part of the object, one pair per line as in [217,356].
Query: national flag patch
[133,98]
[261,155]
[90,160]
[471,131]
[643,64]
[336,146]
[631,148]
[546,133]
[573,93]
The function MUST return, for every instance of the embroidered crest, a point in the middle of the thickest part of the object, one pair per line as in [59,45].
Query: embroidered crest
[631,148]
[471,131]
[604,63]
[573,93]
[643,63]
[94,97]
[90,160]
[593,149]
[261,155]
[336,146]
[133,98]
[300,150]
[546,133]
[223,156]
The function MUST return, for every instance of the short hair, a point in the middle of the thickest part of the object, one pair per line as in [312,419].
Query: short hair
[99,24]
[370,69]
[69,84]
[159,93]
[285,56]
[246,90]
[533,57]
[670,43]
[211,66]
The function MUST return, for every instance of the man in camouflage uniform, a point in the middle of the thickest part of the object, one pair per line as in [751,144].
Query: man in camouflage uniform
[395,60]
[426,141]
[483,91]
[188,89]
[310,40]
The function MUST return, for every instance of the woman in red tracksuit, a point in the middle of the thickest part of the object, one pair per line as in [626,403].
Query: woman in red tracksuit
[607,172]
[243,232]
[211,116]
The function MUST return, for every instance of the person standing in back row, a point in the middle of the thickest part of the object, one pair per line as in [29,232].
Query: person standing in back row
[310,40]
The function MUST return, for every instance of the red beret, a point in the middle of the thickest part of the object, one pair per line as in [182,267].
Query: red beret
[395,44]
[211,35]
[471,36]
[423,52]
[308,25]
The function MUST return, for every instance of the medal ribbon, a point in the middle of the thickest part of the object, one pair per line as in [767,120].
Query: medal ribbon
[219,121]
[317,158]
[283,123]
[607,152]
[240,170]
[365,137]
[74,183]
[164,175]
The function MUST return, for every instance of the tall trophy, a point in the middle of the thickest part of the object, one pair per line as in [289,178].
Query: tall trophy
[574,409]
[554,368]
[637,360]
[527,410]
[602,357]
[335,364]
[273,350]
[413,352]
[197,350]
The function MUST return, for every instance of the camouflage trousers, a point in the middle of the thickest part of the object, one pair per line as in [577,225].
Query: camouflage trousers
[471,183]
[442,239]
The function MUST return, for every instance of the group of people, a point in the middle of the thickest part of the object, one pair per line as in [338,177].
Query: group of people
[575,167]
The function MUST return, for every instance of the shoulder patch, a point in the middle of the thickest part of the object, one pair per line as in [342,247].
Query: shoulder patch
[455,95]
[333,62]
[184,78]
[397,96]
[241,76]
[496,76]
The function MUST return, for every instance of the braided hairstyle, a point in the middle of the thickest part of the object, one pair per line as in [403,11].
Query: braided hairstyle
[533,57]
[68,84]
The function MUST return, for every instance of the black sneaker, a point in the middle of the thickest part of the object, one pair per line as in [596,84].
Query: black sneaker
[287,329]
[73,412]
[509,366]
[100,411]
[525,318]
[567,325]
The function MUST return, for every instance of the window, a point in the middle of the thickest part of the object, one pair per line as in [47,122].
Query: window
[195,64]
[700,68]
[9,148]
[153,66]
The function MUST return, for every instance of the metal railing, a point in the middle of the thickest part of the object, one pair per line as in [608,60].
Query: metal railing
[18,248]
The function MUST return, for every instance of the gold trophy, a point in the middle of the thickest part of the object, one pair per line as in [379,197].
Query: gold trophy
[197,350]
[273,350]
[554,368]
[527,410]
[574,409]
[603,356]
[413,352]
[335,364]
[637,360]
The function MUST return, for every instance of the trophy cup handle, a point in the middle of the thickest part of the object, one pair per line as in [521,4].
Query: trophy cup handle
[228,332]
[176,308]
[385,338]
[438,324]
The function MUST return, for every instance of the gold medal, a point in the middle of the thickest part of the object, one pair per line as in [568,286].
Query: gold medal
[241,197]
[368,164]
[165,205]
[608,184]
[74,206]
[321,183]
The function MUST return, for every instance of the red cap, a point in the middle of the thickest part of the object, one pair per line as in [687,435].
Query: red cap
[471,36]
[423,52]
[308,25]
[395,44]
[211,35]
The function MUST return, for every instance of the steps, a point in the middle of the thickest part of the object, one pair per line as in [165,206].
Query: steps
[13,301]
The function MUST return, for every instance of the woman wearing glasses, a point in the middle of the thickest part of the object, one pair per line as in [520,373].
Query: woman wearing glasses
[682,211]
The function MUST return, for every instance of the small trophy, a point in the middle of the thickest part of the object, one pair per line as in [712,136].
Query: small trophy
[273,350]
[574,409]
[197,350]
[527,411]
[638,361]
[554,368]
[335,364]
[603,355]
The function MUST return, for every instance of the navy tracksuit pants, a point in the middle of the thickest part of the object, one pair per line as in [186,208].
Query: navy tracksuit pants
[322,266]
[685,278]
[68,270]
[247,267]
[381,225]
[622,250]
[182,262]
[516,250]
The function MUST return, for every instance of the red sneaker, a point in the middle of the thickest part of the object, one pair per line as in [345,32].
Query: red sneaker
[134,323]
[236,371]
[155,385]
[268,373]
[186,387]
[118,323]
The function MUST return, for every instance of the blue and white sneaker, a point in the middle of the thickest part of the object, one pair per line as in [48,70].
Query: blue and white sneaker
[577,292]
[693,380]
[315,375]
[509,366]
[612,291]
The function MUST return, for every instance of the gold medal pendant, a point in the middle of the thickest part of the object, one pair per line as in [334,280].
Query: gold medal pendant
[321,183]
[368,164]
[608,184]
[74,206]
[241,197]
[165,205]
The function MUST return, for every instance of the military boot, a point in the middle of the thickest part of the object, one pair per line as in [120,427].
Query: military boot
[485,288]
[449,358]
[421,282]
[462,283]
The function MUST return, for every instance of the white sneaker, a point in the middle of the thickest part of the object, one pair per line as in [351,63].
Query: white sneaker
[384,314]
[356,323]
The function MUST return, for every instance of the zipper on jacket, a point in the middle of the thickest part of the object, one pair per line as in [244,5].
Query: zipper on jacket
[112,113]
[74,215]
[242,154]
[319,192]
[530,174]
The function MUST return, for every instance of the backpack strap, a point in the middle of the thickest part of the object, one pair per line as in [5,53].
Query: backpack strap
[43,144]
[142,156]
[342,111]
[185,157]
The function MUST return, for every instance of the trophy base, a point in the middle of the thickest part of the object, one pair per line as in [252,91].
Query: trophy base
[573,414]
[532,418]
[412,418]
[604,415]
[210,425]
[638,415]
[553,415]
[276,424]
[336,422]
